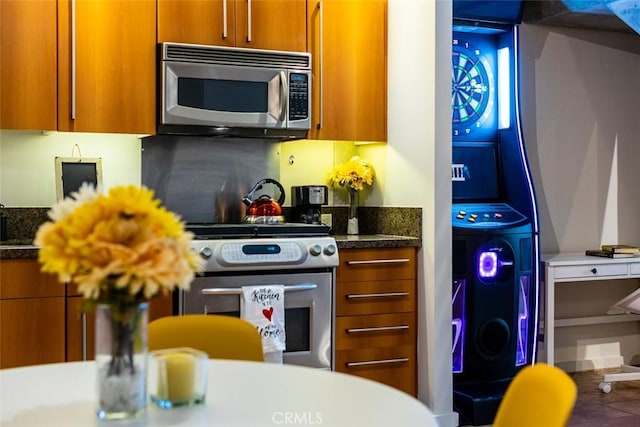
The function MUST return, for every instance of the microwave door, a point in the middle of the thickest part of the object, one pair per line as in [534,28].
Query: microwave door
[222,95]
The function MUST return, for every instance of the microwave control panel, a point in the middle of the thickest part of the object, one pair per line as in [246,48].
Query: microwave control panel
[298,96]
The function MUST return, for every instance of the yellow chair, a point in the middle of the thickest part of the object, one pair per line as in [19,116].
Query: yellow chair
[539,395]
[221,337]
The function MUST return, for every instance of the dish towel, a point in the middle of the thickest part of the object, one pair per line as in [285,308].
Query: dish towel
[263,306]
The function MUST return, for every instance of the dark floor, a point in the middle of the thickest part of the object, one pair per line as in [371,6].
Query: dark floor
[619,408]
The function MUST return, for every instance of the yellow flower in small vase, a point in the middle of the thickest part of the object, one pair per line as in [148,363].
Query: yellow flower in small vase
[120,249]
[352,176]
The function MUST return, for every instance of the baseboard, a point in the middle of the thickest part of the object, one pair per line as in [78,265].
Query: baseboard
[447,420]
[590,364]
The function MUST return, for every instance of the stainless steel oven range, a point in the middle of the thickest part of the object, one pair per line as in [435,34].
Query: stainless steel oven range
[302,257]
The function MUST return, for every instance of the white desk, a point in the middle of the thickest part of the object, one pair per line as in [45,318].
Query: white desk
[247,394]
[576,267]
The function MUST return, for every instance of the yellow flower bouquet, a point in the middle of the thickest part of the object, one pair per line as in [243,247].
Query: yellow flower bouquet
[352,175]
[121,249]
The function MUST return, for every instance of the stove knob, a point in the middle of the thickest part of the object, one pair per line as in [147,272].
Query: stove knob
[315,250]
[330,249]
[206,252]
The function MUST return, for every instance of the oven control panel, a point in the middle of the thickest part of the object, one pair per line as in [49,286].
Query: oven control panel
[269,253]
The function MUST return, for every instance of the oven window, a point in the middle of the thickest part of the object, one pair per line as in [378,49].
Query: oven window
[297,324]
[236,96]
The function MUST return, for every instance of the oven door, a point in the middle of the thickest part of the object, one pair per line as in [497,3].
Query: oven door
[307,303]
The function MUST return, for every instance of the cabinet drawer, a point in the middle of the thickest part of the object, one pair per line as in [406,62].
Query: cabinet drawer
[394,366]
[376,264]
[380,330]
[22,278]
[358,298]
[589,271]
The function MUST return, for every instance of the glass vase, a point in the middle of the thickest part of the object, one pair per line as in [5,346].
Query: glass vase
[352,224]
[121,360]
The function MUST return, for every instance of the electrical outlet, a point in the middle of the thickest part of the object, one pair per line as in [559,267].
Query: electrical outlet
[326,219]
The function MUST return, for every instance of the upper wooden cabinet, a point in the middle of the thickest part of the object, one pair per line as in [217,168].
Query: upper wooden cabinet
[348,43]
[106,66]
[258,24]
[28,65]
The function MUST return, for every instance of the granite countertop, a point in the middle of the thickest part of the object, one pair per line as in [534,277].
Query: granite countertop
[24,249]
[366,241]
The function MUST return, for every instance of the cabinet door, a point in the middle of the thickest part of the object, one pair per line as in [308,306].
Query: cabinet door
[272,24]
[81,327]
[109,84]
[258,24]
[210,22]
[31,331]
[28,65]
[348,43]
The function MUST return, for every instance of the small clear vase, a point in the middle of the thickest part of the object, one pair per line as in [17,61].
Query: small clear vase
[121,360]
[352,224]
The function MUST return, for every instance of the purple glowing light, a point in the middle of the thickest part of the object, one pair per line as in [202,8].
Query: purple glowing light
[488,264]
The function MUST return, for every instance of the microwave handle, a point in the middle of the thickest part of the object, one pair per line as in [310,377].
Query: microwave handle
[238,291]
[284,96]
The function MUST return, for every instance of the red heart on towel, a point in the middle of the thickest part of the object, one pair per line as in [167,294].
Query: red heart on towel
[268,313]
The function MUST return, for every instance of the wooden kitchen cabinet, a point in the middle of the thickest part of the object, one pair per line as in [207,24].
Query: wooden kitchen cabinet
[375,328]
[32,315]
[28,94]
[258,24]
[348,43]
[81,327]
[114,66]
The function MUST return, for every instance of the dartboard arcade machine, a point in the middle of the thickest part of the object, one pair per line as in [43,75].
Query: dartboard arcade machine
[494,214]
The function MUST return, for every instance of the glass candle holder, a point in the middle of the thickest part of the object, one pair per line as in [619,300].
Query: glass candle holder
[177,377]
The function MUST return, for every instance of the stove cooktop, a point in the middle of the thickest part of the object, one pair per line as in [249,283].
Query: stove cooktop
[249,231]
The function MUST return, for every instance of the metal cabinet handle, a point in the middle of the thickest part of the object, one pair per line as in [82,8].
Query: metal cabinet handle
[248,21]
[83,318]
[320,62]
[73,59]
[224,19]
[378,362]
[379,261]
[379,295]
[238,291]
[594,270]
[377,329]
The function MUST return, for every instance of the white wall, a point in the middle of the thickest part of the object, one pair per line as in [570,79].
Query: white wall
[418,173]
[580,92]
[27,172]
[581,123]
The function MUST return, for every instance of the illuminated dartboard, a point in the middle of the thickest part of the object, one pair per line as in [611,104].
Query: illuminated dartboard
[472,90]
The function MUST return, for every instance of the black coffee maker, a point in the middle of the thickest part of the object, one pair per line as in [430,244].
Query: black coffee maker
[307,202]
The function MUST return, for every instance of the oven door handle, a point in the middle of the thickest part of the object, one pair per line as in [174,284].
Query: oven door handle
[238,291]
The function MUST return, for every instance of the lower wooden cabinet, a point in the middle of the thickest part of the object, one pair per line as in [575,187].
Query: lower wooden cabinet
[376,331]
[81,326]
[32,315]
[41,320]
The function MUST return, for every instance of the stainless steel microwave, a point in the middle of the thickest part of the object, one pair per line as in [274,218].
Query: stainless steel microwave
[224,91]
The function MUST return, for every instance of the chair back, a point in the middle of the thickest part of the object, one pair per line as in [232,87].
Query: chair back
[221,337]
[539,395]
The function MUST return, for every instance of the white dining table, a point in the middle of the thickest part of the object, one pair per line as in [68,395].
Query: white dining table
[239,393]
